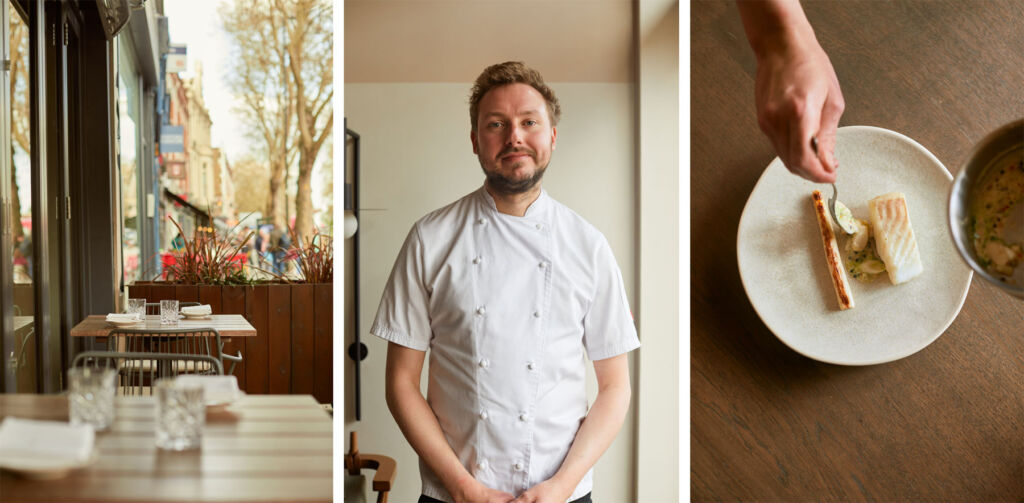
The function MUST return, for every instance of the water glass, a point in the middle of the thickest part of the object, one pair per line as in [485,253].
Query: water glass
[180,415]
[168,312]
[91,396]
[137,306]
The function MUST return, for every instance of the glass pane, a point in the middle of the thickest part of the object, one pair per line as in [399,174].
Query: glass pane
[129,183]
[23,360]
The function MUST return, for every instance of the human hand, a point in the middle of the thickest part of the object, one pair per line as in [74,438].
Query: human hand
[470,490]
[549,491]
[798,97]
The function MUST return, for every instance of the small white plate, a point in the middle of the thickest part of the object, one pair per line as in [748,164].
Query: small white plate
[196,316]
[43,468]
[124,323]
[783,269]
[215,402]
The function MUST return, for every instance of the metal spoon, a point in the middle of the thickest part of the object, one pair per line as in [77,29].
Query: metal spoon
[835,193]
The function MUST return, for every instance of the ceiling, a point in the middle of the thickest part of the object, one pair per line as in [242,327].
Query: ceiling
[453,41]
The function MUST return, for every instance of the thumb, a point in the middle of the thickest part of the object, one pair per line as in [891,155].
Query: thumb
[830,114]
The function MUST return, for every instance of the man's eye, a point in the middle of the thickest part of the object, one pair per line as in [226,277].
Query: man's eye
[494,125]
[531,122]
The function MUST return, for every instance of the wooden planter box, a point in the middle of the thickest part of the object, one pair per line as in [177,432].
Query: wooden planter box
[292,352]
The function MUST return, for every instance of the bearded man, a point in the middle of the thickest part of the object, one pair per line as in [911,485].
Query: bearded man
[510,291]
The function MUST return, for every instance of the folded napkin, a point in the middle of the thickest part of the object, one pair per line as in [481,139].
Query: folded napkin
[216,389]
[197,310]
[24,439]
[123,317]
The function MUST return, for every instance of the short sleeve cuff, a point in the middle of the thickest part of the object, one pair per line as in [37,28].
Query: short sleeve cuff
[399,338]
[612,350]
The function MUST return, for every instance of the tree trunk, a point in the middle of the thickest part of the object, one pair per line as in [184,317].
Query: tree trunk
[276,195]
[16,230]
[303,198]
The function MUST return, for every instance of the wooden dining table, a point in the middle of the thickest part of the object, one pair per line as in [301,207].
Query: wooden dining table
[260,448]
[229,325]
[768,424]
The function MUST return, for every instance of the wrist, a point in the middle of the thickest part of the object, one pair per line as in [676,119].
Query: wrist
[565,483]
[460,486]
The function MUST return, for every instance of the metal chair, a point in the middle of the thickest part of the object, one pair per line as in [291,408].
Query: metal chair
[137,371]
[173,340]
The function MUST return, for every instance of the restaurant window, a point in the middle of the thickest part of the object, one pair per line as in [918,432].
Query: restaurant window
[20,348]
[128,160]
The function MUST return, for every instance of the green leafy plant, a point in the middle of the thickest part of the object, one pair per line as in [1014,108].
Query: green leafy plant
[315,257]
[206,258]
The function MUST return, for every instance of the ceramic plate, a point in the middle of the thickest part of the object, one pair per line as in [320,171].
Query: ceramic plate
[223,400]
[782,262]
[43,468]
[196,316]
[124,323]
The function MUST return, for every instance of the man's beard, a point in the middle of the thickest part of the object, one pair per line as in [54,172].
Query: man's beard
[506,185]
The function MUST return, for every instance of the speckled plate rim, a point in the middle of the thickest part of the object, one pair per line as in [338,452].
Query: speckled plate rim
[776,163]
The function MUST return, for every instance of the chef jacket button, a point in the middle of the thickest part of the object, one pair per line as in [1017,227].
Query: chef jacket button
[531,366]
[518,467]
[480,311]
[536,314]
[484,363]
[523,417]
[539,226]
[483,414]
[482,221]
[476,260]
[481,465]
[542,265]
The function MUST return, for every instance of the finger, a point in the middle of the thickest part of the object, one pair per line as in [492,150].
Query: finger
[830,115]
[805,159]
[778,135]
[797,162]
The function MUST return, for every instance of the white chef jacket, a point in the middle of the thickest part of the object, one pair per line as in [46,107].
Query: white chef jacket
[507,305]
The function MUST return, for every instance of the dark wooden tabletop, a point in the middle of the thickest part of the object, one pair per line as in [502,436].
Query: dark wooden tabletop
[767,424]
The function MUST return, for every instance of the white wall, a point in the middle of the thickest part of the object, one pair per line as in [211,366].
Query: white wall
[416,157]
[658,278]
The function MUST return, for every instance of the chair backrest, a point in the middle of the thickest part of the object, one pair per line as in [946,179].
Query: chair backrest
[137,371]
[189,341]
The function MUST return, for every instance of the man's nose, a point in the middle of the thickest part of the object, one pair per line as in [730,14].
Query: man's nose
[515,135]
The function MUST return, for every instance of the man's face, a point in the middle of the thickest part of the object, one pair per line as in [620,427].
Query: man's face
[514,137]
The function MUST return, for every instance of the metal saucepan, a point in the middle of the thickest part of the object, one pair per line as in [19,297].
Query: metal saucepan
[998,150]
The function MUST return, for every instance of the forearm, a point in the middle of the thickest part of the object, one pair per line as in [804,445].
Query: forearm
[603,422]
[770,24]
[423,432]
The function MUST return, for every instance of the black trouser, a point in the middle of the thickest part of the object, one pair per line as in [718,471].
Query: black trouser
[427,499]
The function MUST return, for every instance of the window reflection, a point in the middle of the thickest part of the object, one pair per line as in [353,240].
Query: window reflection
[22,361]
[129,183]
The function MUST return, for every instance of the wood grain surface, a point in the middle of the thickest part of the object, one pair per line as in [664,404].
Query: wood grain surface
[229,325]
[262,448]
[767,424]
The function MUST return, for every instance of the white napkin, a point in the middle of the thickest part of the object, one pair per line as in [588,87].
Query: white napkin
[123,317]
[53,441]
[197,310]
[216,389]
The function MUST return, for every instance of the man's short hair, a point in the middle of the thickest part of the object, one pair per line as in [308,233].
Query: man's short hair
[511,72]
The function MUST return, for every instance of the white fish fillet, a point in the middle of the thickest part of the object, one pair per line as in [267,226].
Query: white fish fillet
[894,237]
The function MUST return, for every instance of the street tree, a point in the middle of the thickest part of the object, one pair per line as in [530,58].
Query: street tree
[258,73]
[282,68]
[21,135]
